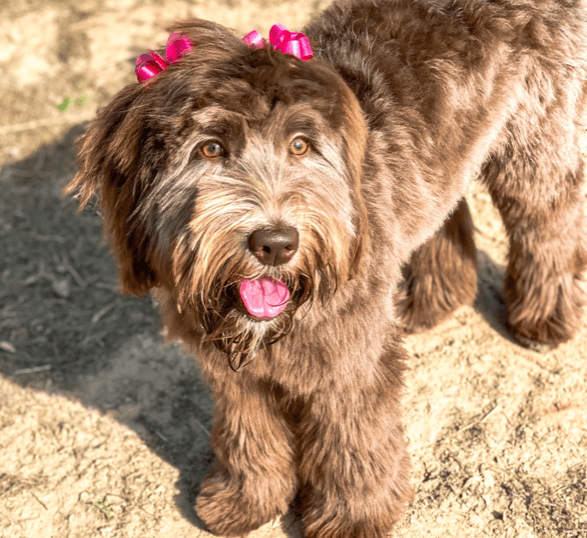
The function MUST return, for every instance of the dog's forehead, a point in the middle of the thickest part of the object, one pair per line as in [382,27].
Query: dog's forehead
[278,126]
[262,84]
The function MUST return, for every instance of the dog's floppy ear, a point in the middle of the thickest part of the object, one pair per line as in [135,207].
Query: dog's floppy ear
[114,165]
[356,143]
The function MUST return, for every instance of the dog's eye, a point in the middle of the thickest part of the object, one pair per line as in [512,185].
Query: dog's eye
[299,147]
[213,150]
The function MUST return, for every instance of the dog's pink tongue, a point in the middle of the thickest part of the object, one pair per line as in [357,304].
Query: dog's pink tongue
[264,298]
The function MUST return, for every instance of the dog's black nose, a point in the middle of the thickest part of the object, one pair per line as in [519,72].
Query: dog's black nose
[274,246]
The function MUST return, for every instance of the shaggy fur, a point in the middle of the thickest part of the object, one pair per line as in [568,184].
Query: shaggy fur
[403,104]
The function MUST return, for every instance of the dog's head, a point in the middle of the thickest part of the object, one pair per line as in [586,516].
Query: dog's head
[232,179]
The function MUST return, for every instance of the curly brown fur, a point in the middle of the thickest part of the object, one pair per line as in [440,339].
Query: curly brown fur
[403,104]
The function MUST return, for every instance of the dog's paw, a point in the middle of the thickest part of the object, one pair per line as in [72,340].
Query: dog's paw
[529,338]
[543,312]
[418,312]
[229,509]
[227,513]
[412,320]
[326,517]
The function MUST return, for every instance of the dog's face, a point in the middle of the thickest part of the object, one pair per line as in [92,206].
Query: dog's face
[232,180]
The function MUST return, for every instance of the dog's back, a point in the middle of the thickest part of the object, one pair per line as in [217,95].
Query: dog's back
[446,84]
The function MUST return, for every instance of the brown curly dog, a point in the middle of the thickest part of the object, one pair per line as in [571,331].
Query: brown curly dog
[270,203]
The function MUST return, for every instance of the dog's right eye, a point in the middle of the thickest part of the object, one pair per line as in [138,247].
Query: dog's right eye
[213,150]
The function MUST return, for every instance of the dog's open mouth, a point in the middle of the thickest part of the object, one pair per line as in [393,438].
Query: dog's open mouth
[264,298]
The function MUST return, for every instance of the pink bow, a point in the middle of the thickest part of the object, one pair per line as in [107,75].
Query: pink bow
[152,63]
[294,43]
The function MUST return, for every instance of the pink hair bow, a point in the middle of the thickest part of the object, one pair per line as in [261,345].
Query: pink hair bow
[152,63]
[294,43]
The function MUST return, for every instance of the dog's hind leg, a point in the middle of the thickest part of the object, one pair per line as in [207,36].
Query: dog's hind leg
[538,189]
[441,274]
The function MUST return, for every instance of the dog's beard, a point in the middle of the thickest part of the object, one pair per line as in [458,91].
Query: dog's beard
[209,279]
[210,271]
[234,332]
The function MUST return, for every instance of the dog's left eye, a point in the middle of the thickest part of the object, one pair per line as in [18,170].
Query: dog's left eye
[213,150]
[299,147]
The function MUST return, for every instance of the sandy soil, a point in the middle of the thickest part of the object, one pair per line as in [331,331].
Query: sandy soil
[103,432]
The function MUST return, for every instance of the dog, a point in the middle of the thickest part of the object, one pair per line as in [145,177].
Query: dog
[294,216]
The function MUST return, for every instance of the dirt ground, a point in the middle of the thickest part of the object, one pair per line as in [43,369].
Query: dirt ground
[103,432]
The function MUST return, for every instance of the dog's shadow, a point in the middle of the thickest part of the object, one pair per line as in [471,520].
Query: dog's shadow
[490,300]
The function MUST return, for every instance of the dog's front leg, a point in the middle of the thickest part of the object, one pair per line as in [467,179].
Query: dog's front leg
[253,478]
[354,469]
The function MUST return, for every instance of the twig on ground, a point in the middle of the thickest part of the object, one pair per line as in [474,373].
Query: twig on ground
[482,419]
[39,501]
[32,370]
[202,427]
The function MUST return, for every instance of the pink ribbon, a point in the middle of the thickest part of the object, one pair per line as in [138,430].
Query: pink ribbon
[294,43]
[152,63]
